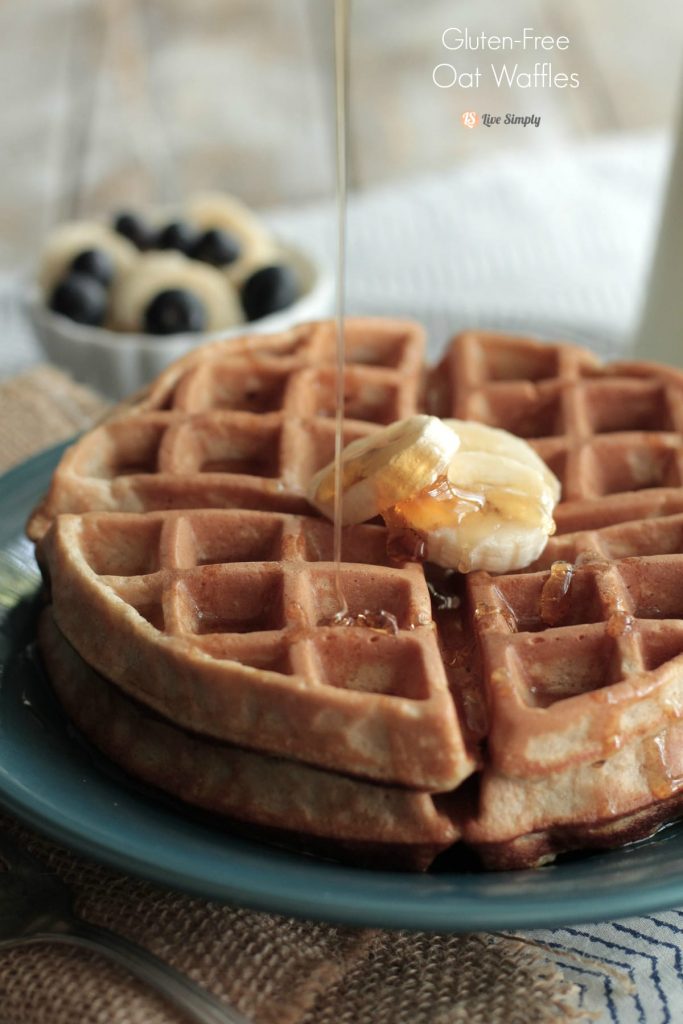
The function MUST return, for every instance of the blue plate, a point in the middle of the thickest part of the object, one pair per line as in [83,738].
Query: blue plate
[51,781]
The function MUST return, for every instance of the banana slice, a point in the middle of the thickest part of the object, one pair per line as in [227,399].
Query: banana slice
[386,468]
[68,240]
[496,511]
[217,210]
[158,271]
[238,272]
[480,437]
[257,248]
[495,514]
[464,495]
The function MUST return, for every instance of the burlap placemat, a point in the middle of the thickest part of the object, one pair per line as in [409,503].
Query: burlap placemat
[275,970]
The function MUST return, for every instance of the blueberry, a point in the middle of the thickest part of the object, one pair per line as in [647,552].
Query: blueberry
[177,235]
[134,228]
[95,263]
[217,247]
[80,297]
[268,290]
[175,311]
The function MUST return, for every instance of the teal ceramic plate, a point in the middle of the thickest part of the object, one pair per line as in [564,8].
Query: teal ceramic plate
[53,782]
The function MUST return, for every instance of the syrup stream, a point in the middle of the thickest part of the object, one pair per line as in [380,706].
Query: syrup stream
[380,621]
[341,59]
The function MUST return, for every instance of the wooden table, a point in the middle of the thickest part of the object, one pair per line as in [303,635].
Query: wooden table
[111,102]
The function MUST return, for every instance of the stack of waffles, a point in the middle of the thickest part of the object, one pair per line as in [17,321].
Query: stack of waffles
[192,588]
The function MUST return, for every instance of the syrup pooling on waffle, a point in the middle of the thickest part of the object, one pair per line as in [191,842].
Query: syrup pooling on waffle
[582,653]
[572,675]
[241,424]
[232,600]
[523,822]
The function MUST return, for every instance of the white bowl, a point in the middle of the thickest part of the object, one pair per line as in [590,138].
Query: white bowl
[118,364]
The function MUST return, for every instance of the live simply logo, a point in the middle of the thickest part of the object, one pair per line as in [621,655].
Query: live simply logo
[471,119]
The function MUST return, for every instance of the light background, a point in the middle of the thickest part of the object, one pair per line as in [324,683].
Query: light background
[108,102]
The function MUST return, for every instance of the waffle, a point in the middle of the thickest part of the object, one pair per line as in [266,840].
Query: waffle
[240,424]
[549,686]
[289,803]
[520,822]
[233,600]
[613,435]
[581,653]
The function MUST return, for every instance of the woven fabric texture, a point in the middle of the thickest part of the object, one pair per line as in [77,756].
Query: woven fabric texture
[275,970]
[39,408]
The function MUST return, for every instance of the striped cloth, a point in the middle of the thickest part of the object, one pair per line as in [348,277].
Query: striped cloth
[629,972]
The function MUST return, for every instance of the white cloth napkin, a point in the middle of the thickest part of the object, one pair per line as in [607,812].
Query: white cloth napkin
[559,243]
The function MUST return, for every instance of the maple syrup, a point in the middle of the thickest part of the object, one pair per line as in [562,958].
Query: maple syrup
[406,545]
[661,773]
[619,623]
[341,61]
[498,611]
[439,504]
[555,596]
[381,621]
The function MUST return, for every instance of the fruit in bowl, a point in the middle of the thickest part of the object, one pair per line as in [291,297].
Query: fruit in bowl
[211,265]
[118,300]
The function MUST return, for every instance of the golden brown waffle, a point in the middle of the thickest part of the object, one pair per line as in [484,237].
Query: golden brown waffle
[212,617]
[240,424]
[527,821]
[582,653]
[612,434]
[579,660]
[289,802]
[572,670]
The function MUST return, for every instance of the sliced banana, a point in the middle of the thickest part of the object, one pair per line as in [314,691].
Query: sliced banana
[257,247]
[238,272]
[157,271]
[496,515]
[389,467]
[480,437]
[68,240]
[496,512]
[217,210]
[483,501]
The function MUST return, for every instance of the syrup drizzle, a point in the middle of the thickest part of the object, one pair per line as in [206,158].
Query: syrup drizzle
[555,601]
[381,621]
[341,60]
